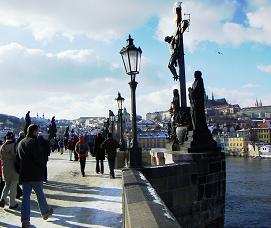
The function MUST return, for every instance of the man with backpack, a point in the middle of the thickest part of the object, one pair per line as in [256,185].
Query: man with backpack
[82,148]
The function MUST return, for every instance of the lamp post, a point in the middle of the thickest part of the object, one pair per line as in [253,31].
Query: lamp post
[131,57]
[112,119]
[120,101]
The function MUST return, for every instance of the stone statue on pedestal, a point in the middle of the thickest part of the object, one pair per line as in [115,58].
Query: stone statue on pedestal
[202,140]
[196,97]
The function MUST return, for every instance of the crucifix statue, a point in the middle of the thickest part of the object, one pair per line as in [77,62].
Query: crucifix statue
[177,52]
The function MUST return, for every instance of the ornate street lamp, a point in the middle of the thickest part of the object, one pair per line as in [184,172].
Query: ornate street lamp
[131,57]
[120,101]
[112,120]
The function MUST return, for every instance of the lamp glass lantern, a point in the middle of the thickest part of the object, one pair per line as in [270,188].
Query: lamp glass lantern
[120,101]
[131,57]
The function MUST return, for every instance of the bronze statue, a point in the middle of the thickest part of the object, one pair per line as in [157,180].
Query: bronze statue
[52,129]
[176,43]
[196,96]
[173,41]
[175,113]
[27,122]
[175,107]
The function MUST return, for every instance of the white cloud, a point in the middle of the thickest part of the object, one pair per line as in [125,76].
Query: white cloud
[250,85]
[69,83]
[80,56]
[94,19]
[214,23]
[210,20]
[244,99]
[264,68]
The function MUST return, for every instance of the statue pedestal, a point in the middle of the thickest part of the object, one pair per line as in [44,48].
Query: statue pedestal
[202,142]
[197,142]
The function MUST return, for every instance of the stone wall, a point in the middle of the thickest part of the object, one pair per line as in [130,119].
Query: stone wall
[142,207]
[193,190]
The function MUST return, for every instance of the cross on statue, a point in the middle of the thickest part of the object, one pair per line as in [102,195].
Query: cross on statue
[177,52]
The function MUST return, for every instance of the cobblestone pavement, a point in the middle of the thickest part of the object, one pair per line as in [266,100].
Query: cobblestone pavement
[90,201]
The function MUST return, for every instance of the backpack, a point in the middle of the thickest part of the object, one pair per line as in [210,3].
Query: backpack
[82,148]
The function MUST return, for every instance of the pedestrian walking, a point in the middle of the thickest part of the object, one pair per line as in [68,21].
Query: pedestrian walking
[75,140]
[21,136]
[110,146]
[45,151]
[32,175]
[82,148]
[99,153]
[19,190]
[71,147]
[61,145]
[9,174]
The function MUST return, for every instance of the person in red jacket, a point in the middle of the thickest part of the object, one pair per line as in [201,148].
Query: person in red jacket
[82,148]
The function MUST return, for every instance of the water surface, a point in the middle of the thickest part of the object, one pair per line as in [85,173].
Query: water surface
[248,193]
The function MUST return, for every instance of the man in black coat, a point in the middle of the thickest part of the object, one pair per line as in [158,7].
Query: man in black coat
[32,174]
[110,146]
[99,153]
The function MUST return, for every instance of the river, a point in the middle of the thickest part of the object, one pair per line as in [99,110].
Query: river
[248,193]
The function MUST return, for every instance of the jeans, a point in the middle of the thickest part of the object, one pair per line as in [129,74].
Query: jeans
[111,163]
[83,165]
[70,153]
[98,166]
[38,188]
[11,188]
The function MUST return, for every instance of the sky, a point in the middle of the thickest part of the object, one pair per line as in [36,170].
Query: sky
[61,57]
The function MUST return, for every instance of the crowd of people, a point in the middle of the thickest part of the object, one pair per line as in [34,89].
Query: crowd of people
[24,162]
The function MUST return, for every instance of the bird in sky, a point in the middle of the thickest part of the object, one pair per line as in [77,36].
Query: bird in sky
[220,53]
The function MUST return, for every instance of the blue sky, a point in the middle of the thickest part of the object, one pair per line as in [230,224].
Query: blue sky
[62,57]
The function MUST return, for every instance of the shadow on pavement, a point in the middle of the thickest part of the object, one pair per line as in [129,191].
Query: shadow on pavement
[78,216]
[2,224]
[81,189]
[76,198]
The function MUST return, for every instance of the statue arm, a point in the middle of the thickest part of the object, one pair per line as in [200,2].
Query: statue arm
[168,39]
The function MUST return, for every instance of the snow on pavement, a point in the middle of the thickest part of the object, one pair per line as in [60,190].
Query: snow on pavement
[91,201]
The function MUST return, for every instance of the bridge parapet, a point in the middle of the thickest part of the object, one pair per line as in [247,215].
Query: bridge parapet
[142,206]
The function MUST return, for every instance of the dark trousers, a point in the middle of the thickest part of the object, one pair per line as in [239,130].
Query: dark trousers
[83,165]
[75,156]
[111,163]
[19,192]
[2,184]
[45,172]
[98,166]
